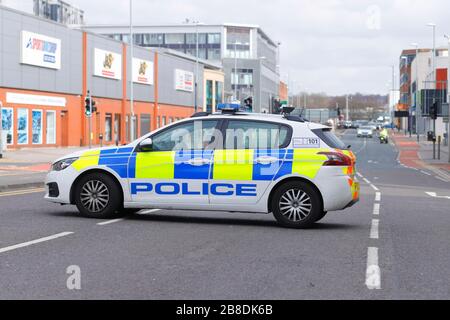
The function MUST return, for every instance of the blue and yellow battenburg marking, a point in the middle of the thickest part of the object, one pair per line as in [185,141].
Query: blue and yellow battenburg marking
[239,165]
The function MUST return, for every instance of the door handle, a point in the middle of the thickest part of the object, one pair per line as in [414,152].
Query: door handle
[198,162]
[266,160]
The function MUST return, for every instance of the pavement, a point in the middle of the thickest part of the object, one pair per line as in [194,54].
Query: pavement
[26,168]
[419,155]
[392,244]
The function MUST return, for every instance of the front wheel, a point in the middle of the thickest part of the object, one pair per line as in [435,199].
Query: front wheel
[97,195]
[296,205]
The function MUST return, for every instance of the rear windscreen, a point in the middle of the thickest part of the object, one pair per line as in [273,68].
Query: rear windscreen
[329,138]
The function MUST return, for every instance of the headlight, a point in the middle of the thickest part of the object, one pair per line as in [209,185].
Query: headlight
[62,164]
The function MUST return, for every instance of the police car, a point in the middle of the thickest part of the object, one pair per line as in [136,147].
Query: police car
[227,161]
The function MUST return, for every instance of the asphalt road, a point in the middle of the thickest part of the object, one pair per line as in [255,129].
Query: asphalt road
[400,251]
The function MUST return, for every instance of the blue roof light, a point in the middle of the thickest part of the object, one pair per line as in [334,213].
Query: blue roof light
[228,106]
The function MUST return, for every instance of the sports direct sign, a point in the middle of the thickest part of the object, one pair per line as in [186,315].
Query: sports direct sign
[39,50]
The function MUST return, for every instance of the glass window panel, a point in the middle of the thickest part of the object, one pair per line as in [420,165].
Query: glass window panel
[219,92]
[213,54]
[36,118]
[22,126]
[108,127]
[174,38]
[50,127]
[117,128]
[254,135]
[214,38]
[209,95]
[186,136]
[145,124]
[8,124]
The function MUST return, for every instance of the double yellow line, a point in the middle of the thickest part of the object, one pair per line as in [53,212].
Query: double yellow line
[20,192]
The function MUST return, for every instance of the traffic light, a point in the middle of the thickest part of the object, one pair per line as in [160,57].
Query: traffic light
[89,106]
[434,111]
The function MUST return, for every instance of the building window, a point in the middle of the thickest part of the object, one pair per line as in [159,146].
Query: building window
[213,38]
[36,122]
[163,121]
[50,132]
[8,124]
[175,38]
[117,128]
[213,54]
[108,127]
[145,123]
[158,122]
[209,95]
[190,38]
[22,126]
[152,39]
[243,77]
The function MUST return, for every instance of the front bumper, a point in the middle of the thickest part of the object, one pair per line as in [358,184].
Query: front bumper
[62,180]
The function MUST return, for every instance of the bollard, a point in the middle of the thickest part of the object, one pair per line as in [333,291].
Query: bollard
[439,147]
[101,140]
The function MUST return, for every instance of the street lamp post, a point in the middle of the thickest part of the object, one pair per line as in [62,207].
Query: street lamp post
[196,67]
[131,75]
[260,83]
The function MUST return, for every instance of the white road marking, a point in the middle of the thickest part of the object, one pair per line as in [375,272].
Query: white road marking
[373,274]
[424,172]
[374,229]
[29,243]
[359,174]
[434,195]
[149,211]
[109,222]
[20,192]
[374,188]
[366,181]
[363,146]
[378,196]
[376,209]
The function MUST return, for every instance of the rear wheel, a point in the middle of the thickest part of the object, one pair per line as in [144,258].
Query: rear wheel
[296,205]
[97,195]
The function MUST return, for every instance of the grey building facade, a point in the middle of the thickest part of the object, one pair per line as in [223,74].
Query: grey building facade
[248,56]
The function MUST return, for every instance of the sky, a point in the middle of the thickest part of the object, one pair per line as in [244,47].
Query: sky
[330,46]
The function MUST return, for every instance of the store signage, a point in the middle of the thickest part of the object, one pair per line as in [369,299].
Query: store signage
[142,71]
[36,100]
[107,64]
[184,80]
[40,50]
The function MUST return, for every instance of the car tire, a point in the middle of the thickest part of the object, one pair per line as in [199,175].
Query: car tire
[321,216]
[301,197]
[98,196]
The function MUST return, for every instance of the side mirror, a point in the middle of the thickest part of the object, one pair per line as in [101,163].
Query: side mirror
[146,145]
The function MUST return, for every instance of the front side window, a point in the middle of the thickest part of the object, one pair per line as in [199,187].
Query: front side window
[22,126]
[243,134]
[195,135]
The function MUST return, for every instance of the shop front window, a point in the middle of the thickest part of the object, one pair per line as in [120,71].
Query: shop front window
[22,126]
[108,126]
[117,128]
[51,127]
[36,117]
[8,124]
[145,123]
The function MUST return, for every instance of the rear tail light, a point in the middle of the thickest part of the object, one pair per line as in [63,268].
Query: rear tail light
[337,159]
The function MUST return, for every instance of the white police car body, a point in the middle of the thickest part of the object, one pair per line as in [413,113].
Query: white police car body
[239,162]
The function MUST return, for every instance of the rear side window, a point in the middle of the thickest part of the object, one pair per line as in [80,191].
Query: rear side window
[329,138]
[242,134]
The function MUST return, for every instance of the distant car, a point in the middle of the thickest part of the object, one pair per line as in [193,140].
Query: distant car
[373,125]
[365,131]
[347,124]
